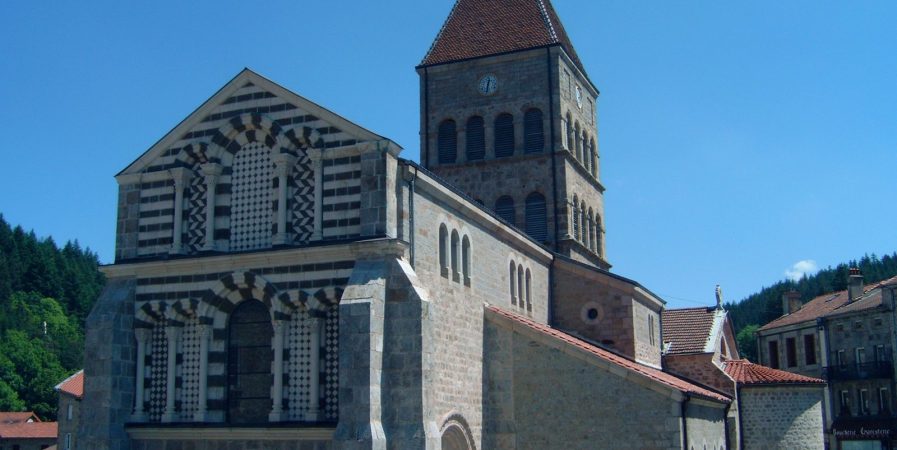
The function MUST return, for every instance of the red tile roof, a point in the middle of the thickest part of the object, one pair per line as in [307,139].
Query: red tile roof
[687,329]
[477,28]
[606,355]
[73,385]
[25,425]
[746,372]
[831,304]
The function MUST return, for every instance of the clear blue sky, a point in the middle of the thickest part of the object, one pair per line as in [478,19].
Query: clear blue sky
[737,138]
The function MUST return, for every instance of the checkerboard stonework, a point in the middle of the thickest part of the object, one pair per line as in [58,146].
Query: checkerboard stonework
[284,279]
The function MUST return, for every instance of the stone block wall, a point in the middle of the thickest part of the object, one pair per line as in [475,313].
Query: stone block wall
[128,221]
[782,417]
[796,332]
[68,426]
[700,368]
[705,425]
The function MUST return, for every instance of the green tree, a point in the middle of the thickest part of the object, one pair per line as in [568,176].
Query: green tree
[746,339]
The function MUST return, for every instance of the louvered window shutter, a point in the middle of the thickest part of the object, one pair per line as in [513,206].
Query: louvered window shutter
[448,142]
[476,139]
[536,219]
[504,136]
[533,138]
[504,207]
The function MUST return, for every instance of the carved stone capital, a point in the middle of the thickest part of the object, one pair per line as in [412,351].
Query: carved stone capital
[181,176]
[211,170]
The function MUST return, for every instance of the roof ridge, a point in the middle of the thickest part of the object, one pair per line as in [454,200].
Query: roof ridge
[441,30]
[552,34]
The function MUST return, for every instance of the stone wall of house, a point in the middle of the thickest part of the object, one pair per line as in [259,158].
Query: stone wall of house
[782,417]
[705,425]
[27,444]
[603,308]
[522,384]
[700,368]
[68,425]
[798,333]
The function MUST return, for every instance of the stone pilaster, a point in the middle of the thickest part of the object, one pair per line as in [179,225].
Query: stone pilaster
[211,171]
[143,336]
[201,414]
[314,390]
[283,164]
[172,334]
[276,414]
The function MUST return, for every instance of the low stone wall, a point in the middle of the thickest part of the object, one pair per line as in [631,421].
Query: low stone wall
[782,417]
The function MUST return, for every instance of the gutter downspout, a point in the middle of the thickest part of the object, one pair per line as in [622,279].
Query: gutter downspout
[726,424]
[554,188]
[740,421]
[411,212]
[684,407]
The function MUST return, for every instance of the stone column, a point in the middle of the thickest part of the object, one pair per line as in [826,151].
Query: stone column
[318,165]
[201,414]
[181,177]
[171,335]
[211,171]
[276,414]
[143,335]
[314,388]
[283,163]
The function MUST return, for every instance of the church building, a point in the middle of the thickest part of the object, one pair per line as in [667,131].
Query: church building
[284,279]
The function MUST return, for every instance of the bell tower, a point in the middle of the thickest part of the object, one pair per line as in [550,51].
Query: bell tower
[508,115]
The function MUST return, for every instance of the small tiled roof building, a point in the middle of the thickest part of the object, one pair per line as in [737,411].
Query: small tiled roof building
[71,391]
[25,431]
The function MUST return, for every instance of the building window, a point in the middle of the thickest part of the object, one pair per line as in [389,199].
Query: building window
[476,139]
[504,135]
[512,282]
[250,356]
[864,402]
[533,137]
[536,220]
[651,330]
[774,354]
[577,142]
[521,289]
[504,208]
[575,217]
[456,269]
[842,359]
[68,441]
[529,287]
[845,402]
[594,157]
[860,355]
[443,250]
[880,354]
[448,142]
[571,140]
[568,83]
[791,352]
[884,401]
[810,349]
[465,260]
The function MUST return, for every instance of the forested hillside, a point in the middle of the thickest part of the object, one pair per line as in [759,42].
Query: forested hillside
[45,294]
[764,306]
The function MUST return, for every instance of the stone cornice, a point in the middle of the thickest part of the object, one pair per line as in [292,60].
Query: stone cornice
[276,257]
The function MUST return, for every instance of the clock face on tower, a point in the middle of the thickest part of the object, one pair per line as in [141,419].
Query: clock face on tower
[488,84]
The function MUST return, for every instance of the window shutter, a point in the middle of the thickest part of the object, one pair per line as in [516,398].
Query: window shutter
[504,208]
[536,219]
[448,142]
[504,136]
[533,138]
[476,139]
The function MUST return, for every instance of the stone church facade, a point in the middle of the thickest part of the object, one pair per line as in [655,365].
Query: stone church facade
[283,279]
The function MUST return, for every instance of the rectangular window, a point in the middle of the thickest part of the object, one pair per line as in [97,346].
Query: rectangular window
[774,354]
[651,330]
[791,352]
[864,401]
[842,360]
[845,402]
[884,401]
[810,349]
[68,414]
[880,353]
[68,441]
[860,355]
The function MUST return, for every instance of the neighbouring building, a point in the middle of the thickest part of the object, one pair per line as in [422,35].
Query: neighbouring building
[847,338]
[25,431]
[771,409]
[284,279]
[71,391]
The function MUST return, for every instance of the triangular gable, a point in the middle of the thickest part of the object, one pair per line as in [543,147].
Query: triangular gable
[252,97]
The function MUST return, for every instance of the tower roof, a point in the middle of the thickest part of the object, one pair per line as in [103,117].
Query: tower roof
[477,28]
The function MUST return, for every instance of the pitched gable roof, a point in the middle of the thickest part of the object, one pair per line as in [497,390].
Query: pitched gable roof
[477,28]
[25,425]
[691,330]
[746,372]
[73,385]
[607,356]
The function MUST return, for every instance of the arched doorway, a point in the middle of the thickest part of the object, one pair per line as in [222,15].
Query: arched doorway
[456,435]
[249,357]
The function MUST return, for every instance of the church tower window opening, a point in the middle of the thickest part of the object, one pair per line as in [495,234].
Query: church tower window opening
[520,287]
[536,220]
[476,139]
[529,298]
[465,260]
[456,274]
[448,142]
[249,360]
[443,250]
[512,282]
[504,135]
[575,211]
[533,137]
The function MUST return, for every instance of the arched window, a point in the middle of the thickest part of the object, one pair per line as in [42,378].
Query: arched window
[582,222]
[533,137]
[465,260]
[575,218]
[443,250]
[448,142]
[598,231]
[476,139]
[586,228]
[504,135]
[504,207]
[577,142]
[536,220]
[587,155]
[249,358]
[512,282]
[456,274]
[571,141]
[594,158]
[520,287]
[591,230]
[565,126]
[529,283]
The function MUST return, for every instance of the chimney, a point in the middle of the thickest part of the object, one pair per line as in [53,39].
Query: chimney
[854,285]
[791,302]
